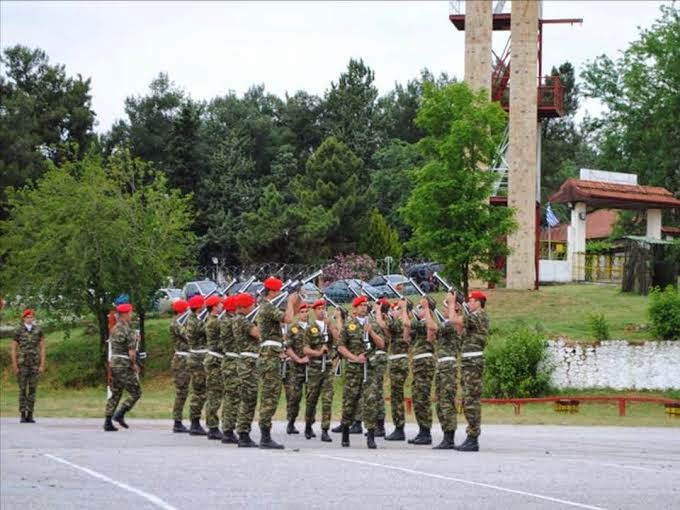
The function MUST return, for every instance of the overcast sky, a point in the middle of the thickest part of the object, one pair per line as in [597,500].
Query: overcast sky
[213,47]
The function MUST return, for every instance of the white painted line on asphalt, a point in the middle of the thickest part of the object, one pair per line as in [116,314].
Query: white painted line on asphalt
[463,481]
[620,466]
[150,497]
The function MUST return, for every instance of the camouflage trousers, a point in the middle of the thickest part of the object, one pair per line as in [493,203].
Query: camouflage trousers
[380,367]
[182,378]
[421,390]
[295,380]
[270,389]
[123,378]
[318,385]
[214,383]
[398,374]
[472,371]
[232,393]
[356,390]
[445,389]
[198,385]
[247,376]
[28,382]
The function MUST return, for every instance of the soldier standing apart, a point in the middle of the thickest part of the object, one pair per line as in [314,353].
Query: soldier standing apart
[28,362]
[423,367]
[400,343]
[295,367]
[447,346]
[214,380]
[475,332]
[124,369]
[198,349]
[246,337]
[231,397]
[180,370]
[357,340]
[271,322]
[318,347]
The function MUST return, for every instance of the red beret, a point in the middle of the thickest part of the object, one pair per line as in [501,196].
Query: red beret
[212,300]
[272,283]
[180,306]
[358,301]
[304,306]
[478,295]
[244,300]
[196,301]
[124,308]
[26,313]
[230,303]
[384,301]
[319,303]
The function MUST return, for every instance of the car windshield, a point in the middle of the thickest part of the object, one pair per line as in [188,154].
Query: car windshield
[175,293]
[206,287]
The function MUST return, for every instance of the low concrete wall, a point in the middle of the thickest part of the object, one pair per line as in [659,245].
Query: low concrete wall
[554,271]
[615,364]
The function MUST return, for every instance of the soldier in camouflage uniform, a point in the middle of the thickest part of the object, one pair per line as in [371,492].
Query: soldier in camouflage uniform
[198,349]
[180,370]
[318,347]
[295,367]
[380,365]
[271,321]
[475,327]
[214,381]
[447,346]
[357,344]
[246,337]
[124,369]
[232,387]
[28,361]
[423,367]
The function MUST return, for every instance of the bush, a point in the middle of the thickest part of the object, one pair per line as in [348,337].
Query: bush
[75,362]
[599,327]
[516,365]
[664,312]
[362,267]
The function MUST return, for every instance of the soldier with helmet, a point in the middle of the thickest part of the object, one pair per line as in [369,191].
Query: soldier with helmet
[28,362]
[180,370]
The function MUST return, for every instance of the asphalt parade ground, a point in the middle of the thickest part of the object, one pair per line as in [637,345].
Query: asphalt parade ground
[72,464]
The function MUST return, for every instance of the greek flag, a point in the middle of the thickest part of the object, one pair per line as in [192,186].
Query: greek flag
[550,217]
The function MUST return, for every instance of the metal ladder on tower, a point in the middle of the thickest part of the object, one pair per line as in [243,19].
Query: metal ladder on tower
[500,166]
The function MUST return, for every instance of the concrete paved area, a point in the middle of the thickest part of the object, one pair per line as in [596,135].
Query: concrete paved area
[72,464]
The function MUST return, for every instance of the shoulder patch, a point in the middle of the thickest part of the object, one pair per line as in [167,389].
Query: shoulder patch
[314,331]
[294,330]
[352,327]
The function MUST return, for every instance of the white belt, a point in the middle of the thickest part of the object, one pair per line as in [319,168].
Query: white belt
[473,354]
[397,356]
[271,343]
[253,355]
[232,355]
[446,358]
[319,361]
[423,355]
[120,356]
[216,354]
[182,353]
[380,352]
[198,351]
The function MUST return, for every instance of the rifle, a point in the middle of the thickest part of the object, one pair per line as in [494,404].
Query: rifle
[420,291]
[203,315]
[458,296]
[398,294]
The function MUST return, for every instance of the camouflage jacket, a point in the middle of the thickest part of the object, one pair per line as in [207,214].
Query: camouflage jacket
[179,335]
[295,339]
[448,341]
[269,321]
[28,353]
[419,335]
[122,340]
[227,337]
[352,337]
[476,331]
[318,335]
[395,330]
[212,334]
[196,333]
[243,340]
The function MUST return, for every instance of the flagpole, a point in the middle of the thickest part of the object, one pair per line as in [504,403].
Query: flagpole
[549,243]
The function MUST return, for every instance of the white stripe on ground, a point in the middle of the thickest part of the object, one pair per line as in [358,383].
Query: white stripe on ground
[620,466]
[149,497]
[463,481]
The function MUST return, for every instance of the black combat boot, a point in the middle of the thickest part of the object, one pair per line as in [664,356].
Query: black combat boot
[244,441]
[23,417]
[108,425]
[228,437]
[29,417]
[345,435]
[291,427]
[356,428]
[196,429]
[380,428]
[266,441]
[325,437]
[309,432]
[214,433]
[422,438]
[179,427]
[337,430]
[396,435]
[469,445]
[119,416]
[447,442]
[370,439]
